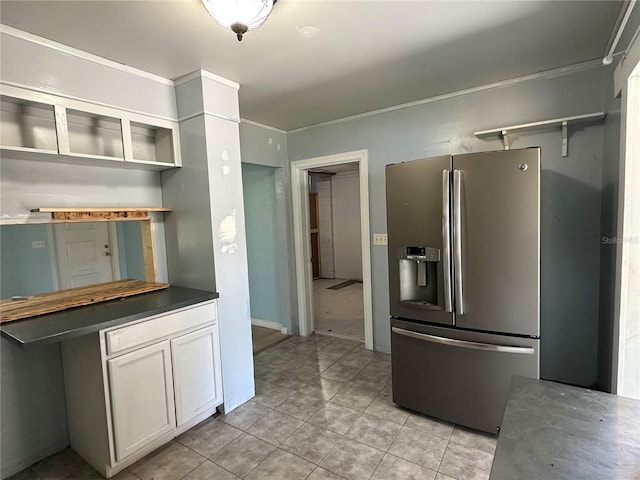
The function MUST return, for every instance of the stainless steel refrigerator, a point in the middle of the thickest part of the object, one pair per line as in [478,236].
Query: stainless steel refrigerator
[464,281]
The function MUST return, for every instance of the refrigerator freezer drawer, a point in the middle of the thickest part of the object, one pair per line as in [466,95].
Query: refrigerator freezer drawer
[458,376]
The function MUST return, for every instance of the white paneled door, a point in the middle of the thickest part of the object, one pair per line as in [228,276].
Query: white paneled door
[83,252]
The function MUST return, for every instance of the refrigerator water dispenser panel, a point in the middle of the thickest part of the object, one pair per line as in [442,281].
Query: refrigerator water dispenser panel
[418,276]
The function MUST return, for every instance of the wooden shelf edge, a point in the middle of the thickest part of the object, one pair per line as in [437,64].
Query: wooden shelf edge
[91,214]
[101,209]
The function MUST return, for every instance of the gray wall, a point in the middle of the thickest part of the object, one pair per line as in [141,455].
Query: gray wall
[571,194]
[267,147]
[259,190]
[25,270]
[347,243]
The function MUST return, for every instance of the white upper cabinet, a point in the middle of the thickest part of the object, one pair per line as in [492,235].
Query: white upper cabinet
[39,126]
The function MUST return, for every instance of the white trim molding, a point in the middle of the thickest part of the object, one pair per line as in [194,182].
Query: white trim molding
[556,72]
[269,324]
[208,75]
[262,125]
[45,42]
[299,190]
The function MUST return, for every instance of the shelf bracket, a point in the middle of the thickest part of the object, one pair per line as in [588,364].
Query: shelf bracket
[558,122]
[505,138]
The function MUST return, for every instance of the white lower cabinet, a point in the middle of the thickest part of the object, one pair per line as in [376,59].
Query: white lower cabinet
[142,405]
[132,388]
[196,373]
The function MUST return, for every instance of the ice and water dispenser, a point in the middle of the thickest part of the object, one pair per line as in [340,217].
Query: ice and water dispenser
[419,276]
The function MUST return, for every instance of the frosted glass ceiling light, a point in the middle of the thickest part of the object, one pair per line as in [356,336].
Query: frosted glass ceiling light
[239,15]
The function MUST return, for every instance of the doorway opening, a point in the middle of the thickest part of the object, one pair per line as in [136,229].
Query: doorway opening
[338,257]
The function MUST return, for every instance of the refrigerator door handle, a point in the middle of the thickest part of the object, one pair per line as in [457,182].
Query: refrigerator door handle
[452,342]
[457,241]
[446,238]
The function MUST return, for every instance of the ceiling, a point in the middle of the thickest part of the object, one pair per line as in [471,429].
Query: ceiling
[367,55]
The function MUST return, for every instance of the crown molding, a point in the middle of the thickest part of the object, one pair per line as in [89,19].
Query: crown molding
[556,72]
[30,37]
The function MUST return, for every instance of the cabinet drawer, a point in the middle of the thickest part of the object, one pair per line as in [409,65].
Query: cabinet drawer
[159,327]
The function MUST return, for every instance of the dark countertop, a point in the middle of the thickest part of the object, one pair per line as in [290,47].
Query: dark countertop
[555,431]
[55,327]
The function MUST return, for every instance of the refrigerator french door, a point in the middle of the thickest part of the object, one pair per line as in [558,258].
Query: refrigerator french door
[464,281]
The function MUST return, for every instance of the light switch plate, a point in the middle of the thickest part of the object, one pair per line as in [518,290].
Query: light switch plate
[379,238]
[37,244]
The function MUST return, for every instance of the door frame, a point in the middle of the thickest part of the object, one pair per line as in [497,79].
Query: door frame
[300,198]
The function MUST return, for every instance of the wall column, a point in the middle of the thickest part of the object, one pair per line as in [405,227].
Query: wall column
[206,241]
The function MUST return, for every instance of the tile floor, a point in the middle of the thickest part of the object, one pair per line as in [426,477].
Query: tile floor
[322,411]
[263,338]
[338,312]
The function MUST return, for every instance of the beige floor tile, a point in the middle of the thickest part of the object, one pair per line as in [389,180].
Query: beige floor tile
[210,471]
[263,338]
[275,427]
[64,464]
[271,395]
[352,460]
[466,463]
[322,388]
[208,437]
[281,465]
[294,380]
[245,415]
[311,442]
[341,373]
[335,417]
[475,439]
[371,379]
[430,425]
[373,431]
[170,462]
[243,454]
[301,406]
[395,468]
[321,474]
[353,397]
[384,408]
[419,447]
[442,476]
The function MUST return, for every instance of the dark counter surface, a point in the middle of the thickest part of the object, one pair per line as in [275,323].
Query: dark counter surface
[555,431]
[55,327]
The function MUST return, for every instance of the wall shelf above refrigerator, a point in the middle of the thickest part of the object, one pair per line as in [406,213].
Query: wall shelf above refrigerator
[560,122]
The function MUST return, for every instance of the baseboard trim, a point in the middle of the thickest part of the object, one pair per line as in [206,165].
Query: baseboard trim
[269,324]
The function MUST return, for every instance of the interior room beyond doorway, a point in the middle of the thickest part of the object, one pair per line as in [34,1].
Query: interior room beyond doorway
[336,251]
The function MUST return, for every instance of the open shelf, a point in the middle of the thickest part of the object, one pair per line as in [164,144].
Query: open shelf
[27,125]
[44,127]
[152,144]
[93,134]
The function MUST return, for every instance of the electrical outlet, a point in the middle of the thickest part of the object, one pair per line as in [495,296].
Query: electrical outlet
[37,244]
[379,238]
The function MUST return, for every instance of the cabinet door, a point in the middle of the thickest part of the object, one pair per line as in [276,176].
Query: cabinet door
[142,406]
[197,374]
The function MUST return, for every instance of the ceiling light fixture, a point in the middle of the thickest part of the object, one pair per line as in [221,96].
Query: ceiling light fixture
[240,16]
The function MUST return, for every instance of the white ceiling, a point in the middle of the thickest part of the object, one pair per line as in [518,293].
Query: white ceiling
[367,54]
